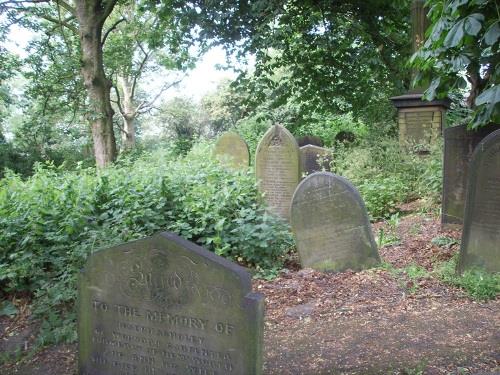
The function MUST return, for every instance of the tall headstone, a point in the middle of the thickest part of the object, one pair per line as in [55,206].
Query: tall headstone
[314,159]
[277,169]
[459,144]
[480,245]
[419,121]
[331,225]
[163,305]
[232,150]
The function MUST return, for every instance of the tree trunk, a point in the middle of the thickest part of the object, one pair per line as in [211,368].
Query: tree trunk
[91,15]
[128,112]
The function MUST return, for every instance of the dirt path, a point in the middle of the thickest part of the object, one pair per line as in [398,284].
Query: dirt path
[380,321]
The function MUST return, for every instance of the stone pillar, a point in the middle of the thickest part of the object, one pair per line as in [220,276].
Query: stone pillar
[419,121]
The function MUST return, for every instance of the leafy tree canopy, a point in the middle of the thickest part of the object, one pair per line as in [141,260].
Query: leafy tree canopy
[461,52]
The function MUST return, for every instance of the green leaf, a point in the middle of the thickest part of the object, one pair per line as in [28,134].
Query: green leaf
[460,62]
[456,4]
[7,308]
[430,93]
[473,24]
[455,35]
[491,36]
[491,95]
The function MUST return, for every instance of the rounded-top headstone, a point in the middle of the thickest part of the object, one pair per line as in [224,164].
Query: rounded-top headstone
[331,225]
[232,150]
[480,245]
[277,169]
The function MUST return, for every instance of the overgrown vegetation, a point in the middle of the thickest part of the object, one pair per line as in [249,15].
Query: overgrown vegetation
[387,175]
[53,220]
[477,283]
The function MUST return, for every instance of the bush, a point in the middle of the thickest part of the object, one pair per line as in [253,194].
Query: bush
[53,220]
[387,175]
[328,127]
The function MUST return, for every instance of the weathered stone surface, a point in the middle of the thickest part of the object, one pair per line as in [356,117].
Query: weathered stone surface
[163,305]
[420,125]
[277,169]
[232,150]
[309,140]
[314,159]
[459,144]
[331,225]
[480,245]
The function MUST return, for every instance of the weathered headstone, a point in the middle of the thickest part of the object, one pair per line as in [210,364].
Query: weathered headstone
[459,144]
[277,169]
[309,140]
[480,245]
[331,225]
[163,305]
[314,159]
[232,150]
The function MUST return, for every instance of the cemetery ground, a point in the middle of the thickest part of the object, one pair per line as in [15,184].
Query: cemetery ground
[399,318]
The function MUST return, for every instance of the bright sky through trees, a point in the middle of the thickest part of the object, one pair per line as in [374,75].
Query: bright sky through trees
[198,82]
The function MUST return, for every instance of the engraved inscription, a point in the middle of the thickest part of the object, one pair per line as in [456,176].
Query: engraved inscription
[481,234]
[277,169]
[330,225]
[168,309]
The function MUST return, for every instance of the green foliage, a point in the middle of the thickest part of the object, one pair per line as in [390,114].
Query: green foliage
[479,284]
[7,308]
[328,126]
[387,175]
[53,220]
[252,130]
[462,49]
[444,241]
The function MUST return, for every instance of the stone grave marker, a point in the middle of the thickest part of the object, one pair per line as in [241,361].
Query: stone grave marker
[459,145]
[163,305]
[331,225]
[277,169]
[232,150]
[480,245]
[314,159]
[309,140]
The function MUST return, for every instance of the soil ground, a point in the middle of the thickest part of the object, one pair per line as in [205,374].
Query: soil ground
[378,321]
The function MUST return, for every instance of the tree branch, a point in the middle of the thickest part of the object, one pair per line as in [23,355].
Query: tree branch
[111,29]
[118,102]
[141,66]
[108,8]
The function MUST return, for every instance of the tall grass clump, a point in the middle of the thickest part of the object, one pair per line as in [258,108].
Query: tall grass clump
[52,221]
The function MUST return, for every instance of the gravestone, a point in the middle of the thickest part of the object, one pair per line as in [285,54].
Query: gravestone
[163,305]
[277,169]
[459,145]
[314,159]
[232,150]
[309,140]
[331,225]
[480,245]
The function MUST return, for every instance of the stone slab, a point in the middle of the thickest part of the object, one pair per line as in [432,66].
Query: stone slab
[480,245]
[459,145]
[331,225]
[277,169]
[309,140]
[314,159]
[163,305]
[232,150]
